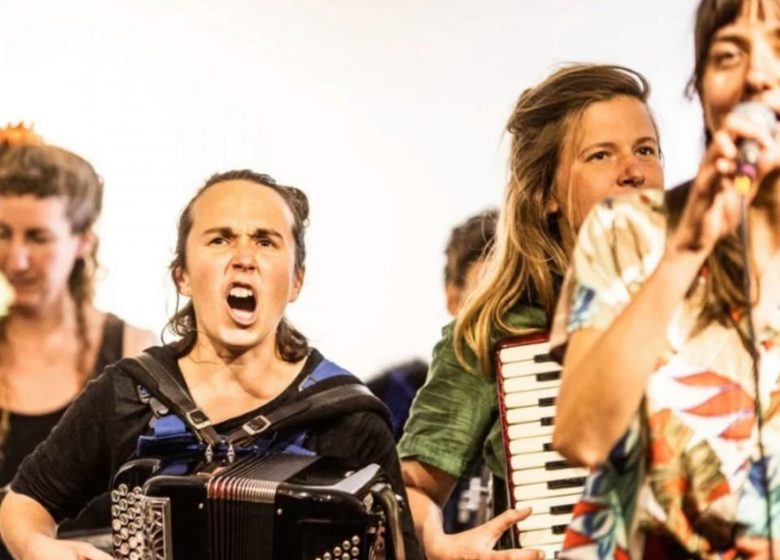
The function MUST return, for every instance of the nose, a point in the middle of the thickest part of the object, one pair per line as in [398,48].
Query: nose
[244,257]
[17,258]
[632,173]
[763,69]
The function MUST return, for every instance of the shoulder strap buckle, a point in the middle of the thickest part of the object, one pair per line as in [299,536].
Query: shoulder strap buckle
[257,425]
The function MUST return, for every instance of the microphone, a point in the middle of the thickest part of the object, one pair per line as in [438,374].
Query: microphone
[747,160]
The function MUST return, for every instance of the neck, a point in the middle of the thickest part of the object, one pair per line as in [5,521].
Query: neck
[213,360]
[23,322]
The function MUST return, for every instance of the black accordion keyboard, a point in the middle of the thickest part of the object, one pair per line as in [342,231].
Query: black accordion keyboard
[280,507]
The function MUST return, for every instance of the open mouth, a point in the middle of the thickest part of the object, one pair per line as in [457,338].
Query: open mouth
[242,303]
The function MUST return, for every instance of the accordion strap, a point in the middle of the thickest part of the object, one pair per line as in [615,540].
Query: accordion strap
[315,407]
[158,380]
[329,392]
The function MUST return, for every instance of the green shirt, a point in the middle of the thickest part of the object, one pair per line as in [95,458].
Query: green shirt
[454,417]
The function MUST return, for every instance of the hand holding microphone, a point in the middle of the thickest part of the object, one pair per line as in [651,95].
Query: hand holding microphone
[749,150]
[734,160]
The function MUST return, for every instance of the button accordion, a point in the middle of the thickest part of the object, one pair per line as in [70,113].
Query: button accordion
[527,380]
[279,507]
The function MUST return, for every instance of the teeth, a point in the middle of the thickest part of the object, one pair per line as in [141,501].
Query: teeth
[240,292]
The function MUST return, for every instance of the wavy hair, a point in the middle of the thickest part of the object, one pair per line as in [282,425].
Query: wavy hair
[528,260]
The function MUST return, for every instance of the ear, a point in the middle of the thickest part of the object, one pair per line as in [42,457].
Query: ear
[453,295]
[297,284]
[552,206]
[182,280]
[85,244]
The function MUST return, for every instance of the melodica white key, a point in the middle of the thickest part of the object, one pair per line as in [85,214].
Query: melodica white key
[527,380]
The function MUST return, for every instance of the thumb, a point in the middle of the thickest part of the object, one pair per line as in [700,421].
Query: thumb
[501,523]
[86,551]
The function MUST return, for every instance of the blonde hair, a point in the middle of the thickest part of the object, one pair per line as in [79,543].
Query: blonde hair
[528,259]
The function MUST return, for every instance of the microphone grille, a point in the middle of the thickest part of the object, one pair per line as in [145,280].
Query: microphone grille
[758,113]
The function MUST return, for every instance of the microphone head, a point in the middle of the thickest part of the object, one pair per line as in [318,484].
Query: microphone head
[758,113]
[749,151]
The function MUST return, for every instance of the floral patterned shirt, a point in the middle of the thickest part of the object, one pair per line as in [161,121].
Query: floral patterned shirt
[688,475]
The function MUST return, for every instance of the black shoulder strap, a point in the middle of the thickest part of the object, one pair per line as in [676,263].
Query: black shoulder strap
[159,381]
[316,406]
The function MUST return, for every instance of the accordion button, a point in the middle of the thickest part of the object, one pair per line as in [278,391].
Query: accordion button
[122,489]
[355,552]
[355,540]
[326,556]
[346,556]
[345,545]
[337,552]
[114,496]
[116,524]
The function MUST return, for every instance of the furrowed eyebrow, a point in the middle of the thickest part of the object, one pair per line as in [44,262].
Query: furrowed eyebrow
[222,231]
[262,233]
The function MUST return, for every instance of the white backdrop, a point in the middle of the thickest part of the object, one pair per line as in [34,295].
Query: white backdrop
[389,114]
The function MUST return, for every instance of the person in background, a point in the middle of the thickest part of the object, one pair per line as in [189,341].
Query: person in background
[240,259]
[670,386]
[582,134]
[465,251]
[53,339]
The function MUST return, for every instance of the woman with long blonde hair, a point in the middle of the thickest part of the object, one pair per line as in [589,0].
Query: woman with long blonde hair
[582,134]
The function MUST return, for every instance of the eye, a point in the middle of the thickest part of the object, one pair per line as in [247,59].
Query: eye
[648,151]
[724,57]
[601,155]
[266,242]
[38,237]
[217,241]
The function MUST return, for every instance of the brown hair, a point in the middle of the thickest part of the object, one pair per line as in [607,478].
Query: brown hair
[291,345]
[48,171]
[723,288]
[468,243]
[27,167]
[528,259]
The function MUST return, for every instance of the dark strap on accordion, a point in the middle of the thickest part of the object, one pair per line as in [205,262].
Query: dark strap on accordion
[158,380]
[315,407]
[343,394]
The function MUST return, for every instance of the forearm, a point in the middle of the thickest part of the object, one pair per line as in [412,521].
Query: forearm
[427,516]
[22,519]
[605,373]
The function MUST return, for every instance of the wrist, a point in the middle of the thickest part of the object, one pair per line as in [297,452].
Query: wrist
[435,545]
[34,542]
[680,267]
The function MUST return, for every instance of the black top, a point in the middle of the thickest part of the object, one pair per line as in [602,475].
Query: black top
[26,431]
[99,432]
